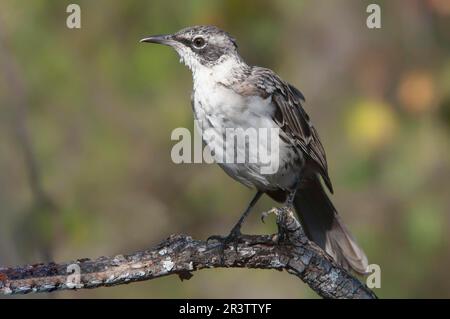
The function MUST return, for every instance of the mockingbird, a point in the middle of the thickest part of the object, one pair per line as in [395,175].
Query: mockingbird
[228,93]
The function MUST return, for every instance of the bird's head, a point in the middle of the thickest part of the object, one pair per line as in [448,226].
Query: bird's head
[199,46]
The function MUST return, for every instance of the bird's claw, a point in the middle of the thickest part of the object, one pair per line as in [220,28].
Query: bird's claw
[264,215]
[280,213]
[232,238]
[218,238]
[283,213]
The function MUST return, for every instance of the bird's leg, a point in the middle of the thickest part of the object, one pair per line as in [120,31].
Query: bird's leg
[290,199]
[235,233]
[291,196]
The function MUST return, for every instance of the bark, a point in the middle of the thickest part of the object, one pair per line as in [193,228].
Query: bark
[181,255]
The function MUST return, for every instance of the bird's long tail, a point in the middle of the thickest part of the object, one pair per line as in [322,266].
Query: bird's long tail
[322,225]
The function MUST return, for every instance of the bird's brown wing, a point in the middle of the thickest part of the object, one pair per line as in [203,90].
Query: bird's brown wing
[291,117]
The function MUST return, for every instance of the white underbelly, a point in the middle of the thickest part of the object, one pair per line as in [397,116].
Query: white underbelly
[244,140]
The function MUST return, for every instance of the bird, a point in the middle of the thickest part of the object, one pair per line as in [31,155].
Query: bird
[230,94]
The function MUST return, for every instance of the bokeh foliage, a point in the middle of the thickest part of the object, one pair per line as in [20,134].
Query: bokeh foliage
[100,108]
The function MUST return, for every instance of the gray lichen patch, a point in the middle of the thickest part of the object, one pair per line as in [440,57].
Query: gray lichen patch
[168,264]
[163,251]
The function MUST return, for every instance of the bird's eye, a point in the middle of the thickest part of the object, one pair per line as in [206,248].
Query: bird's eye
[199,42]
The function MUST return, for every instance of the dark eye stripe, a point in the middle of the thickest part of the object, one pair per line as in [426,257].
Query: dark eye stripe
[183,40]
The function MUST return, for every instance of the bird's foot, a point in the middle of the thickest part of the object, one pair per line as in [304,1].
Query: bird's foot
[232,240]
[264,215]
[280,213]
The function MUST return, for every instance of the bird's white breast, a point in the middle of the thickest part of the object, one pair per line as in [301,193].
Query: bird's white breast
[216,101]
[218,107]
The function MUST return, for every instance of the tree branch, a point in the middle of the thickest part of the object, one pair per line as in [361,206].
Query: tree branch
[181,255]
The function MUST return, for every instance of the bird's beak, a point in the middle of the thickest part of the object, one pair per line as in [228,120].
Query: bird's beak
[165,39]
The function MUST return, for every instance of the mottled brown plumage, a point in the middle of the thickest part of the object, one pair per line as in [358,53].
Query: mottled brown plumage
[289,114]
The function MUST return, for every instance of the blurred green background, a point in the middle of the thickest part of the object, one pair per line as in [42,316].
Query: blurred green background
[86,117]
